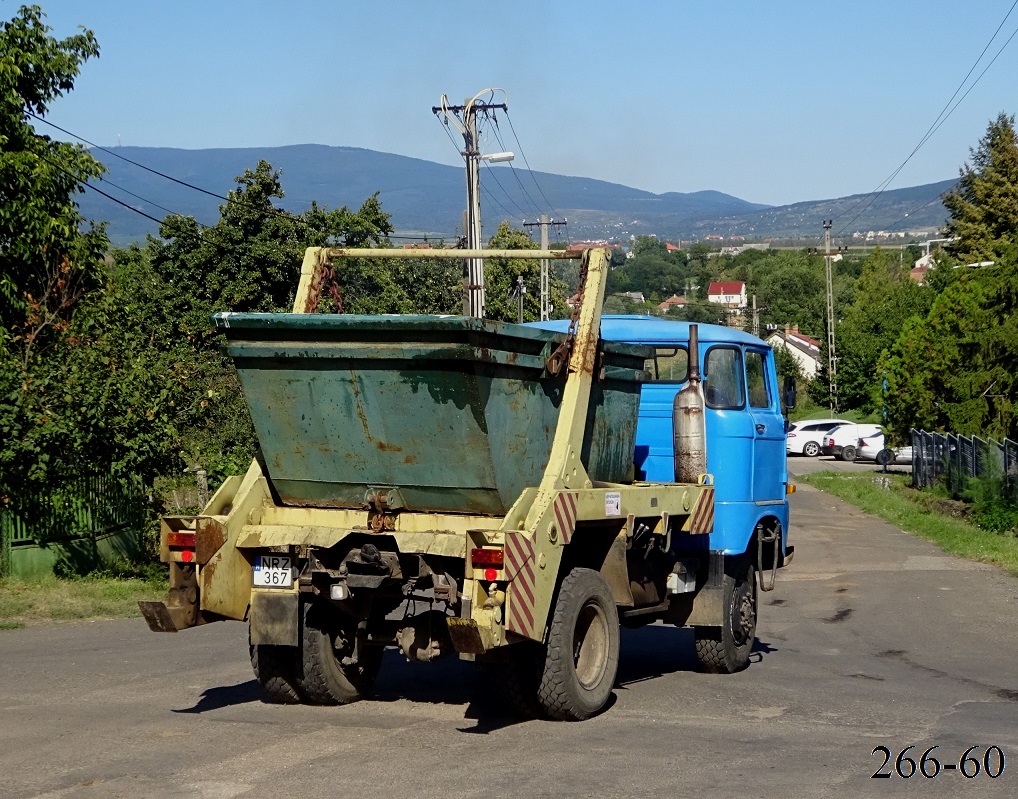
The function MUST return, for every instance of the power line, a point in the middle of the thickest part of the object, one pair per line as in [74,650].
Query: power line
[532,176]
[941,118]
[87,185]
[239,200]
[498,137]
[139,197]
[491,171]
[495,200]
[914,210]
[128,160]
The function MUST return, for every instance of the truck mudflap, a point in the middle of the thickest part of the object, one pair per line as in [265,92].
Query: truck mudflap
[180,608]
[185,543]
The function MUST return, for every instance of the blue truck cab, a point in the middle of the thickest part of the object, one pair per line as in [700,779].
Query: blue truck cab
[745,434]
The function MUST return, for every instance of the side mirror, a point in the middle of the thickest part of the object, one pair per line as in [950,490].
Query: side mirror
[788,393]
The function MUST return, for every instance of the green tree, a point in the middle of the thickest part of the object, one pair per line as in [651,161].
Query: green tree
[501,276]
[931,369]
[49,261]
[885,298]
[984,203]
[791,290]
[954,369]
[249,261]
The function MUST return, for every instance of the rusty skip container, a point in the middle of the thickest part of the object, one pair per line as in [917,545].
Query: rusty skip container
[442,413]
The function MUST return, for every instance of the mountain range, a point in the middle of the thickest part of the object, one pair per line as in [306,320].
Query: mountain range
[427,198]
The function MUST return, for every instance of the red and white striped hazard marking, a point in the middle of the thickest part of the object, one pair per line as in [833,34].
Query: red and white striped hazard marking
[702,515]
[565,515]
[519,563]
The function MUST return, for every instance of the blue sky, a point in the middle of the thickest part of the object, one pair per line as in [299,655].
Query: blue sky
[773,102]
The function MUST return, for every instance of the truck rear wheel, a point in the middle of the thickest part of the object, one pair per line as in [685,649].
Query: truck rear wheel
[725,649]
[582,656]
[275,669]
[516,678]
[329,672]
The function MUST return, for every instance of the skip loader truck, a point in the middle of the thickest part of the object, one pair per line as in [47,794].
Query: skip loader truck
[510,494]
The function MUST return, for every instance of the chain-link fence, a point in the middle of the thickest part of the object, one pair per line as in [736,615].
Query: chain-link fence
[954,459]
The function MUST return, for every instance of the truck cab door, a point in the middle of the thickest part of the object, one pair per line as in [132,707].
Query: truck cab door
[764,406]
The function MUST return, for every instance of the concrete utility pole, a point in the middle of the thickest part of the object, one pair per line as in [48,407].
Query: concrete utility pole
[464,118]
[832,360]
[545,264]
[756,317]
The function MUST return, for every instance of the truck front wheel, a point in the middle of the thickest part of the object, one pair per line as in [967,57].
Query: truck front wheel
[725,649]
[334,669]
[583,648]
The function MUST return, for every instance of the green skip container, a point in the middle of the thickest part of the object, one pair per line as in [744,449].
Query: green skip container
[443,413]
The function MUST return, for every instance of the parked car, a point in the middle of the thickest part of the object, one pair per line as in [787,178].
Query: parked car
[897,455]
[874,448]
[871,448]
[807,437]
[843,442]
[902,455]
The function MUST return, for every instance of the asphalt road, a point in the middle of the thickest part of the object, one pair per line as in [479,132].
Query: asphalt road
[872,638]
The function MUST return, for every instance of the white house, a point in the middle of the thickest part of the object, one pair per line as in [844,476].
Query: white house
[805,349]
[731,294]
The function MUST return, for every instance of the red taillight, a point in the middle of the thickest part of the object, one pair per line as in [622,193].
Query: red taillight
[187,556]
[181,540]
[490,574]
[487,557]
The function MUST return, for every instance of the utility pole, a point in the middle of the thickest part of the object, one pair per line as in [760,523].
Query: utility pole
[756,317]
[832,360]
[545,263]
[464,118]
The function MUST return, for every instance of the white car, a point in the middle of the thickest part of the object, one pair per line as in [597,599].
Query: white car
[843,442]
[871,448]
[874,448]
[807,437]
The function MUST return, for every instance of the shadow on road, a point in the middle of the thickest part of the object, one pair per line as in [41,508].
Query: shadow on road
[657,650]
[647,653]
[226,696]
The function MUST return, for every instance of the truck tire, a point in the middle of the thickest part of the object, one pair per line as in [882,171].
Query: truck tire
[326,642]
[275,669]
[516,680]
[582,656]
[725,649]
[848,454]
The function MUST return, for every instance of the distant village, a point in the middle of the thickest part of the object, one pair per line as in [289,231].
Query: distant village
[733,302]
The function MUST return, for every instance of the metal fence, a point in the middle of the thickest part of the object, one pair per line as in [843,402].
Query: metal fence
[954,459]
[80,509]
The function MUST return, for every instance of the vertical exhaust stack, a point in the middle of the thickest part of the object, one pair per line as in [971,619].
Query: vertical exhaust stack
[689,433]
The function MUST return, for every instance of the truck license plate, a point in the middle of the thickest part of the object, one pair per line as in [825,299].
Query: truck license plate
[273,571]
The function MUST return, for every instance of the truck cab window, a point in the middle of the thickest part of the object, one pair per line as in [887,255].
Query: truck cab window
[756,379]
[669,365]
[724,386]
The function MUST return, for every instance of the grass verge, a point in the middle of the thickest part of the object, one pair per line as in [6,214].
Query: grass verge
[905,507]
[46,599]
